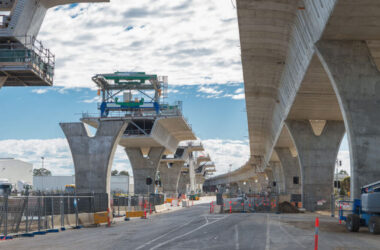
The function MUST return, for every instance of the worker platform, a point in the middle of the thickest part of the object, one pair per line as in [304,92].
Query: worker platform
[25,62]
[151,121]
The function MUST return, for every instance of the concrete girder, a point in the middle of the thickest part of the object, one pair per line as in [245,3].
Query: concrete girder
[291,169]
[144,167]
[170,175]
[93,156]
[317,156]
[270,96]
[27,16]
[356,81]
[166,132]
[54,3]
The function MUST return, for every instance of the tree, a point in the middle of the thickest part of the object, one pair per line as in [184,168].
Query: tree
[41,172]
[124,173]
[343,172]
[114,172]
[345,186]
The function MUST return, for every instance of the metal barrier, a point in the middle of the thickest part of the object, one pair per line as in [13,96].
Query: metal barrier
[252,203]
[123,204]
[30,215]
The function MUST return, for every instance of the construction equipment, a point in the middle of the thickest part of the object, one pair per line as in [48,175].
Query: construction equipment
[5,187]
[365,211]
[148,92]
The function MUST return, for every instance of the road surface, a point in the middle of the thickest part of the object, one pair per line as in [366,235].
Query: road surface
[195,228]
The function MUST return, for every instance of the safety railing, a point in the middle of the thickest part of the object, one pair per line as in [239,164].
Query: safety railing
[30,52]
[40,214]
[345,207]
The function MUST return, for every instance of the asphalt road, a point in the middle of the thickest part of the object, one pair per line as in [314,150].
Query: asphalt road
[195,228]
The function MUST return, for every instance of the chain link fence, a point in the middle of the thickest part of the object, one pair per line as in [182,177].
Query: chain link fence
[38,214]
[123,204]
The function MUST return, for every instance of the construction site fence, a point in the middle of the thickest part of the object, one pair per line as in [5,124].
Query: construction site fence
[247,203]
[122,204]
[40,213]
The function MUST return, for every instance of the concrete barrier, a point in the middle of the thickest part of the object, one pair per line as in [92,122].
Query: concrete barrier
[160,208]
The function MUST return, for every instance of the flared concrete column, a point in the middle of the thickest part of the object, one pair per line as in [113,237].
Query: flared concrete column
[244,186]
[199,180]
[93,156]
[262,182]
[291,170]
[183,183]
[317,156]
[170,177]
[278,177]
[144,167]
[356,81]
[269,174]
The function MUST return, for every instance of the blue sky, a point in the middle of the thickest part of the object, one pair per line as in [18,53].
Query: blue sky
[33,113]
[193,42]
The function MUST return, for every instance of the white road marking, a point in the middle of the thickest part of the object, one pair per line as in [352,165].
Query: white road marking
[149,242]
[236,237]
[289,234]
[206,219]
[267,243]
[185,234]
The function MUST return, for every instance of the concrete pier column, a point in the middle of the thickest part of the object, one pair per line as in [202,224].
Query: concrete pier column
[183,183]
[269,174]
[144,167]
[93,156]
[291,170]
[356,81]
[170,174]
[278,177]
[317,155]
[262,182]
[199,180]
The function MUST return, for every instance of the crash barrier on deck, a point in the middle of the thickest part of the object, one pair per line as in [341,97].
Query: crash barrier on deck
[248,203]
[45,213]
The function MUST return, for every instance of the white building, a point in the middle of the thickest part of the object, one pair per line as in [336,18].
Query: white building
[119,184]
[16,171]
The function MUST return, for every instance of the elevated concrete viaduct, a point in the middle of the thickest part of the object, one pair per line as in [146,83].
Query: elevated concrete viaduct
[146,140]
[315,62]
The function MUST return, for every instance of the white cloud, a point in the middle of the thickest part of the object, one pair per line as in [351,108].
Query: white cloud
[226,152]
[57,155]
[192,42]
[238,97]
[239,90]
[210,90]
[92,100]
[39,91]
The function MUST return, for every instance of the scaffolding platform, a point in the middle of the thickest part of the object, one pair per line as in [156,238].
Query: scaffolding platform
[25,62]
